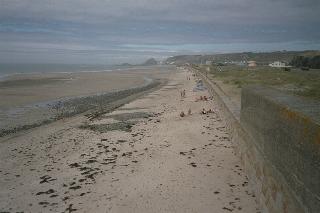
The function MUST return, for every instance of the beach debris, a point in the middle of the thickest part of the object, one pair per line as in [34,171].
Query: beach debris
[75,187]
[74,165]
[46,179]
[228,209]
[70,209]
[193,164]
[50,191]
[102,128]
[129,116]
[43,203]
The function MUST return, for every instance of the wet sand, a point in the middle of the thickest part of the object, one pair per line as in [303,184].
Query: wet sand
[26,89]
[143,157]
[30,99]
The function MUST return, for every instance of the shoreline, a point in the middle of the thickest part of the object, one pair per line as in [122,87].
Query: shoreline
[69,106]
[6,76]
[31,100]
[26,89]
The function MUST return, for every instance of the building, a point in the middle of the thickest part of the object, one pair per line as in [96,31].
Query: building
[279,64]
[252,63]
[209,62]
[239,63]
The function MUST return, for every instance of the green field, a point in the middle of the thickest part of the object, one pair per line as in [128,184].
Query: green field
[295,81]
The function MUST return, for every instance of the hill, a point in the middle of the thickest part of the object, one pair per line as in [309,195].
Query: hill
[150,62]
[262,57]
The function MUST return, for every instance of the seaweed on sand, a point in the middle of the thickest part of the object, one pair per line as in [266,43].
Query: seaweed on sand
[103,128]
[129,116]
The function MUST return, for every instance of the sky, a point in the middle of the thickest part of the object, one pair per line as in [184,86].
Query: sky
[118,31]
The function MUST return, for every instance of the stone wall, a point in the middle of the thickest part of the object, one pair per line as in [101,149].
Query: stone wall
[277,137]
[285,130]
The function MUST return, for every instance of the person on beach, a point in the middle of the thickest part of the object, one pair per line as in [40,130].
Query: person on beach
[182,114]
[183,93]
[203,111]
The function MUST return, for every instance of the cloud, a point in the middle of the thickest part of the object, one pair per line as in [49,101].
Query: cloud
[113,24]
[201,11]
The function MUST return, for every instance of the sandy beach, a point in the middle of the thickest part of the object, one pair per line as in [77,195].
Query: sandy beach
[142,157]
[29,99]
[23,89]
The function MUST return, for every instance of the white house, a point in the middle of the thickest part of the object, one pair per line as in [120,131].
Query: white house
[252,63]
[278,64]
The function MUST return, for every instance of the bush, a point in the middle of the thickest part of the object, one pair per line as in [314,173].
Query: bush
[306,62]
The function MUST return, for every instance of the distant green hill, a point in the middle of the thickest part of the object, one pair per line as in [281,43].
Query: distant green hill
[262,57]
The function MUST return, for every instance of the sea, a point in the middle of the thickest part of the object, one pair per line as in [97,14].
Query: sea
[36,113]
[7,70]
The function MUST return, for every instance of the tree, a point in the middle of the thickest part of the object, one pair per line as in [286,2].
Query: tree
[306,62]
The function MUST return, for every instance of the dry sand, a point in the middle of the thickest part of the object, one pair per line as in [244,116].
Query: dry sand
[164,164]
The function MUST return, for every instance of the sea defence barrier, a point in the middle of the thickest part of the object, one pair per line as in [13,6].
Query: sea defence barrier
[277,138]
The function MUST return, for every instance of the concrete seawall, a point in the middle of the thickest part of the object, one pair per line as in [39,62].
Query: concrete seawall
[277,137]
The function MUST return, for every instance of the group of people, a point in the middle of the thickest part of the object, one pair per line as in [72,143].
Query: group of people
[204,111]
[182,114]
[202,98]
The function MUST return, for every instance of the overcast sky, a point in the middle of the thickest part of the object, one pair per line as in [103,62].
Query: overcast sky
[115,31]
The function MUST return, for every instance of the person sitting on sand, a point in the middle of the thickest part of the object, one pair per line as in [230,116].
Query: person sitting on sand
[182,114]
[203,111]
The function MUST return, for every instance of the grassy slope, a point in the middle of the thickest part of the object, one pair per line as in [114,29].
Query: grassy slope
[302,83]
[263,57]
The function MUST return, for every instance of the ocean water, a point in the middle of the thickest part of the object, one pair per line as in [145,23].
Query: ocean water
[12,69]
